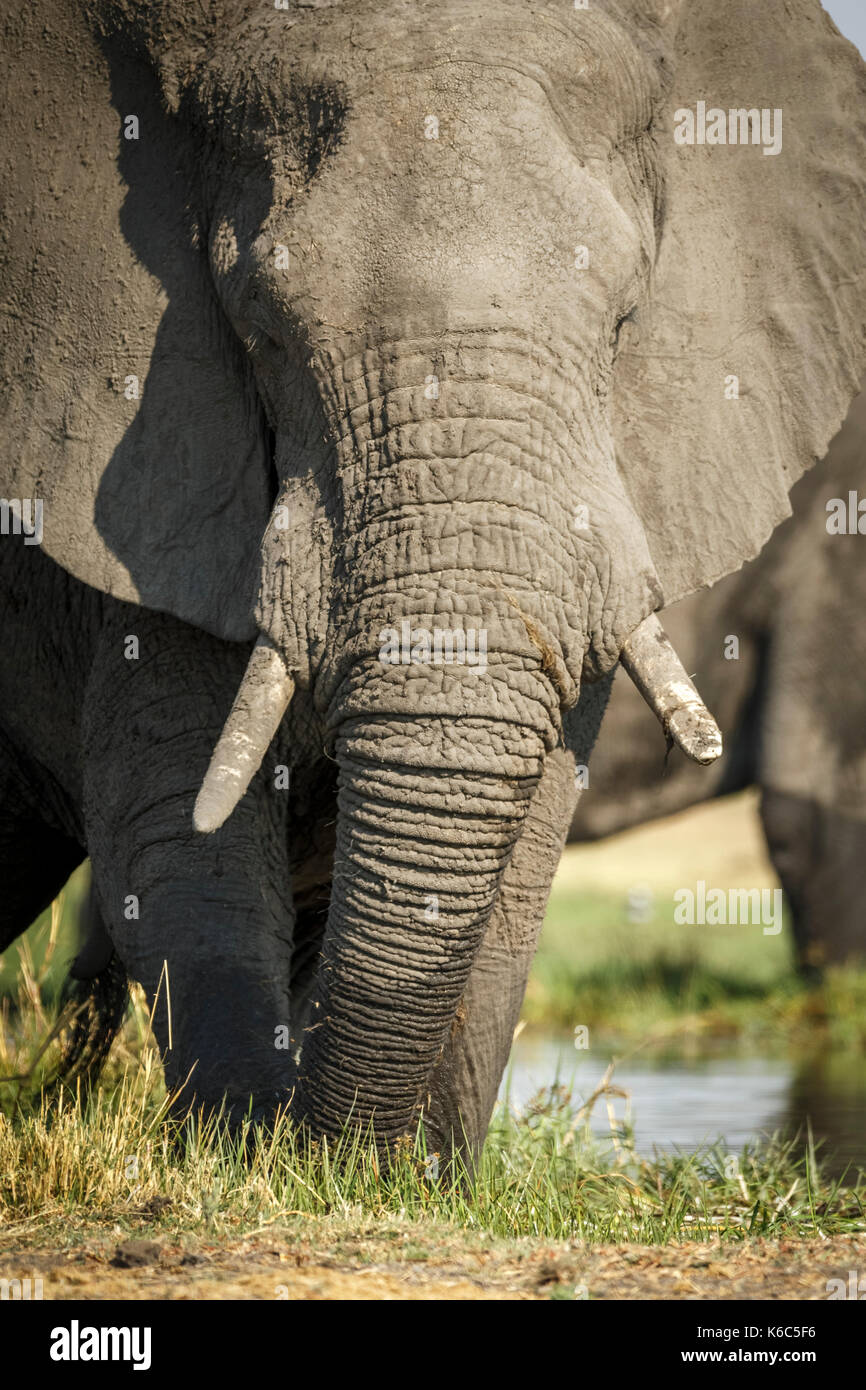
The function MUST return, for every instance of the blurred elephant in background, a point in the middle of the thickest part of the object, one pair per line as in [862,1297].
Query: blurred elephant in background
[779,652]
[382,368]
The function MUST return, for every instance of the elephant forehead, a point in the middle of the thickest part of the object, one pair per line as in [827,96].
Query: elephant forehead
[261,70]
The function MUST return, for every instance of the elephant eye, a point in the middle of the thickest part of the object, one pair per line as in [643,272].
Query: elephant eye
[258,339]
[630,317]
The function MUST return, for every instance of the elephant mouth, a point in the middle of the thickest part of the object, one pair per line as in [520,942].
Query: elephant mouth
[267,687]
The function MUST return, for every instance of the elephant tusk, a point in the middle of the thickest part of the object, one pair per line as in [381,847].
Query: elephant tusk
[658,673]
[262,700]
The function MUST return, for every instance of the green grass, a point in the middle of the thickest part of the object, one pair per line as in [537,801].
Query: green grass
[44,952]
[634,981]
[76,1167]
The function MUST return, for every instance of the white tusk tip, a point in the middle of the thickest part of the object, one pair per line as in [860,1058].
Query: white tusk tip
[699,737]
[206,817]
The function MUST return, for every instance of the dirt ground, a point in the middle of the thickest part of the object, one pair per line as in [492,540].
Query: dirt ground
[408,1265]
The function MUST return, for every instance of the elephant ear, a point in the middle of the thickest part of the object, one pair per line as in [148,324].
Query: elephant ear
[128,406]
[739,368]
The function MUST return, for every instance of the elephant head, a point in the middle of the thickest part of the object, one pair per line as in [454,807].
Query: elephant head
[392,333]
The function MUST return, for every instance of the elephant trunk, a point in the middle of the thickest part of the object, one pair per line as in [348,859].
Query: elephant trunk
[428,817]
[455,641]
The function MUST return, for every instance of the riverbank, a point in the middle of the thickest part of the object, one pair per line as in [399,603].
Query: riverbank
[109,1200]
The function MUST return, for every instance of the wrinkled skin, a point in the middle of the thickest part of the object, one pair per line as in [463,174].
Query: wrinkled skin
[791,708]
[381,382]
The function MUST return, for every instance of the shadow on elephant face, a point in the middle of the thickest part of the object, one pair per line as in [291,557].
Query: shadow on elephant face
[160,479]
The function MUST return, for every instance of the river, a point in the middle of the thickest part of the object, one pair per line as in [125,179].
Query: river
[683,1103]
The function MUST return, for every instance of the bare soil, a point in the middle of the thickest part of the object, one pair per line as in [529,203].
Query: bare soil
[408,1264]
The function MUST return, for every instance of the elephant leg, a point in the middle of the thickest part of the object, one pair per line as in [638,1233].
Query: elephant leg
[203,922]
[820,857]
[466,1081]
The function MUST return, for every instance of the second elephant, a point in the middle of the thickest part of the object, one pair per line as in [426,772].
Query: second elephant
[779,651]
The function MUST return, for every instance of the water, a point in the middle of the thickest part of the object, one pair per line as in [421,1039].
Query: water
[685,1103]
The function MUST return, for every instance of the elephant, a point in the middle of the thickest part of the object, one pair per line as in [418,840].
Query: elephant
[779,652]
[374,372]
